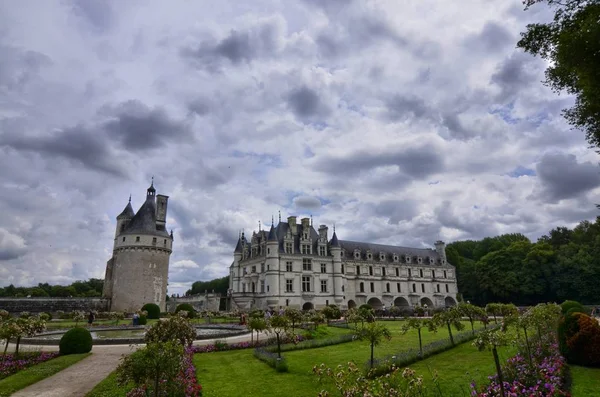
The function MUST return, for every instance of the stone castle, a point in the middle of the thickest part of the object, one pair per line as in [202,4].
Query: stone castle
[138,271]
[297,266]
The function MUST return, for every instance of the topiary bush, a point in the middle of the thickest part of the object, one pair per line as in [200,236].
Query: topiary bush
[152,309]
[143,320]
[567,305]
[186,307]
[76,341]
[579,339]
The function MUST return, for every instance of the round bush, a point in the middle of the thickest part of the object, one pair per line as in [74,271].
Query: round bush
[569,305]
[143,320]
[152,309]
[76,341]
[186,307]
[49,316]
[579,339]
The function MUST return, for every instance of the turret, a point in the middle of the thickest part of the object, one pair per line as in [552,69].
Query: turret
[440,248]
[272,262]
[123,218]
[338,277]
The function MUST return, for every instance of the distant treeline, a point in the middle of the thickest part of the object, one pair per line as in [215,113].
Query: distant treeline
[89,288]
[219,285]
[564,264]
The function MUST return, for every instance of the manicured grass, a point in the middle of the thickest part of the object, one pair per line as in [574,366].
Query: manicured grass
[37,372]
[214,369]
[458,367]
[109,388]
[586,381]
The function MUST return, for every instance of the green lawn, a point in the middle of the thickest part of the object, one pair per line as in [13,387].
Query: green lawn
[109,388]
[215,369]
[586,381]
[37,372]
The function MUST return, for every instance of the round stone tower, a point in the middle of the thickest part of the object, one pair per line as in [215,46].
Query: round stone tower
[138,271]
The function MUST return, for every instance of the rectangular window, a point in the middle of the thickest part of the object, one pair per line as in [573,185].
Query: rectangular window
[420,272]
[327,302]
[372,287]
[288,248]
[137,239]
[342,268]
[123,239]
[165,243]
[445,275]
[305,284]
[288,267]
[244,287]
[398,287]
[253,269]
[323,268]
[362,287]
[289,285]
[323,285]
[322,251]
[414,287]
[153,240]
[387,287]
[357,269]
[383,272]
[370,270]
[409,273]
[447,290]
[307,264]
[262,286]
[245,271]
[422,287]
[287,302]
[397,272]
[432,273]
[438,288]
[262,267]
[305,249]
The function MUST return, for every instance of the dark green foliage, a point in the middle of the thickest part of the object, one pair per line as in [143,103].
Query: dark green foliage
[152,309]
[579,339]
[564,264]
[143,320]
[76,341]
[188,308]
[90,288]
[219,285]
[49,316]
[571,45]
[569,307]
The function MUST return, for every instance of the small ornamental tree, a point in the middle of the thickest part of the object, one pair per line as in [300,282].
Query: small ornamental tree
[316,318]
[353,316]
[449,318]
[331,312]
[374,333]
[491,340]
[472,312]
[395,311]
[294,316]
[256,324]
[418,324]
[494,309]
[27,326]
[78,316]
[156,367]
[173,328]
[279,326]
[186,307]
[9,329]
[117,316]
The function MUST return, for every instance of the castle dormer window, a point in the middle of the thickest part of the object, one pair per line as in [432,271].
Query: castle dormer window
[431,260]
[137,239]
[369,256]
[357,254]
[419,260]
[381,256]
[407,259]
[396,258]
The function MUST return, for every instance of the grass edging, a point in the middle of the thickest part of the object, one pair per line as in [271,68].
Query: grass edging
[36,373]
[404,358]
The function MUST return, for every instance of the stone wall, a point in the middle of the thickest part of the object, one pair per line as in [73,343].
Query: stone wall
[200,302]
[52,305]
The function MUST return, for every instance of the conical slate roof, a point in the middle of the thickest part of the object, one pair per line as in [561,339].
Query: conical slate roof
[272,234]
[334,241]
[238,247]
[144,221]
[127,212]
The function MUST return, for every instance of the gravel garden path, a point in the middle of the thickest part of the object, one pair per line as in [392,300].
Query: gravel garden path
[80,378]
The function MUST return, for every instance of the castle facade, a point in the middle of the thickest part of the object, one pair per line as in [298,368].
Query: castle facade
[294,265]
[138,271]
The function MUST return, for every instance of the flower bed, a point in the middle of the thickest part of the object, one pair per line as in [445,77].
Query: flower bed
[9,364]
[545,376]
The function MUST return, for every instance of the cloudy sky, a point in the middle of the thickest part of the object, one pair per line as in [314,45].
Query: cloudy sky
[402,122]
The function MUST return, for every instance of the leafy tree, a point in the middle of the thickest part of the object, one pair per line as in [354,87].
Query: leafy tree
[219,285]
[294,315]
[331,312]
[374,333]
[176,328]
[472,312]
[449,318]
[491,340]
[418,324]
[571,46]
[256,324]
[278,325]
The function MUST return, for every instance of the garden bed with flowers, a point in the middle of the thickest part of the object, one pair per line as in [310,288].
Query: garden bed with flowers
[10,364]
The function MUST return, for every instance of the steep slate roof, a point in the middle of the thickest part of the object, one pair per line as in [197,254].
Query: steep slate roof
[282,229]
[144,221]
[238,247]
[350,246]
[127,212]
[272,234]
[334,241]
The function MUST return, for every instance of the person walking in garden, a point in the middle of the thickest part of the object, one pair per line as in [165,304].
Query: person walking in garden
[91,318]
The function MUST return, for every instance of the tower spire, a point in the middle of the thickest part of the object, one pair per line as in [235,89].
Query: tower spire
[279,216]
[311,222]
[259,226]
[130,197]
[272,220]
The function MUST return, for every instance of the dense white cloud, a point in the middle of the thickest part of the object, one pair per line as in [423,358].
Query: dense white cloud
[400,122]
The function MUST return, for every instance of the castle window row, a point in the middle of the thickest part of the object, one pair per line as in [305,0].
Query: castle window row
[383,257]
[154,240]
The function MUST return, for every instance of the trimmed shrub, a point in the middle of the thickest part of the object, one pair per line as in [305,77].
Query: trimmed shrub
[271,359]
[186,307]
[152,309]
[49,316]
[143,320]
[579,339]
[566,306]
[76,341]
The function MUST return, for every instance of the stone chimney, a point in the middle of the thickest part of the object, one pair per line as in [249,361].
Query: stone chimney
[292,222]
[305,223]
[323,232]
[440,248]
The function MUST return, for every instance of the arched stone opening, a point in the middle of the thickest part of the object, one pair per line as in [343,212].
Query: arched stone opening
[308,306]
[351,304]
[449,301]
[375,303]
[401,302]
[426,301]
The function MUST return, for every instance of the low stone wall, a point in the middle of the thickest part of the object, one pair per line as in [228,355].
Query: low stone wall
[52,305]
